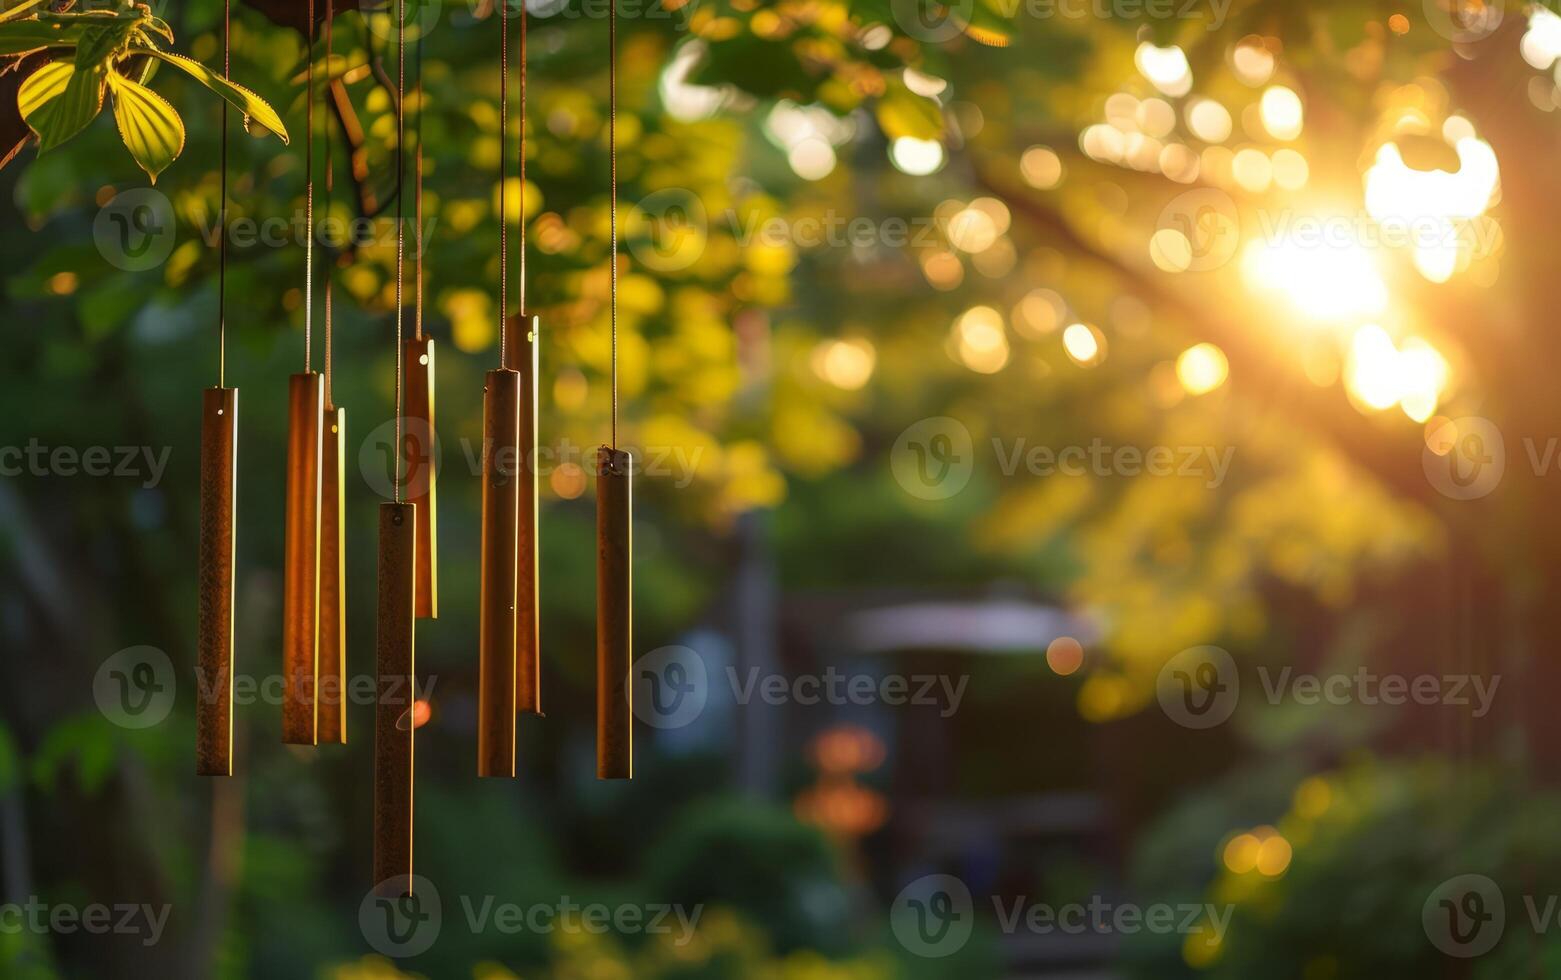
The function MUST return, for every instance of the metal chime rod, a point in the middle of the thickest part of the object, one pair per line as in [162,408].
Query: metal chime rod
[501,478]
[417,357]
[614,522]
[218,540]
[333,529]
[524,356]
[306,440]
[301,572]
[496,625]
[395,712]
[219,479]
[417,364]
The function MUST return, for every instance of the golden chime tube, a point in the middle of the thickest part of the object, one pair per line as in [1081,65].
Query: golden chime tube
[614,615]
[214,642]
[395,706]
[496,611]
[525,341]
[301,571]
[333,541]
[417,366]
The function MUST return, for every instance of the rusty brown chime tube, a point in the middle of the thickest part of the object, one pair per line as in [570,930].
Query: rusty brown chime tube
[214,642]
[333,618]
[418,368]
[395,710]
[614,615]
[496,602]
[525,342]
[301,571]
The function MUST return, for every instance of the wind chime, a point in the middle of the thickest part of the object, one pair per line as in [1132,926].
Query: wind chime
[509,628]
[314,638]
[218,487]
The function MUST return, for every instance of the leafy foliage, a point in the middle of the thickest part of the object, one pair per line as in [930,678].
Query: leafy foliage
[108,52]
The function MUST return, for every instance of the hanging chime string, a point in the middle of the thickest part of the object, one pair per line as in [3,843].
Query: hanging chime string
[503,210]
[612,155]
[417,298]
[521,153]
[309,198]
[330,188]
[401,91]
[222,210]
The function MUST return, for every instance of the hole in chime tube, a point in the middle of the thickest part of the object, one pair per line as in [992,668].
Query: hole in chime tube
[496,601]
[301,572]
[614,615]
[523,358]
[395,665]
[214,642]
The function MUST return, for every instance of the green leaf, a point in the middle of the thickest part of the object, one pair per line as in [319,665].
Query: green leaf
[22,36]
[991,22]
[57,101]
[151,129]
[902,112]
[252,105]
[16,12]
[98,44]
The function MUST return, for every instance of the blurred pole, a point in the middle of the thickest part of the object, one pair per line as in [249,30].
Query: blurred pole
[756,625]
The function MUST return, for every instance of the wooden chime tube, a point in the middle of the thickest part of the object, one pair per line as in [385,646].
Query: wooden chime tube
[614,615]
[417,366]
[214,642]
[333,573]
[301,561]
[523,358]
[496,600]
[395,706]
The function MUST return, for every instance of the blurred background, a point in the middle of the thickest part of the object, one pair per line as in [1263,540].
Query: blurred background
[1094,520]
